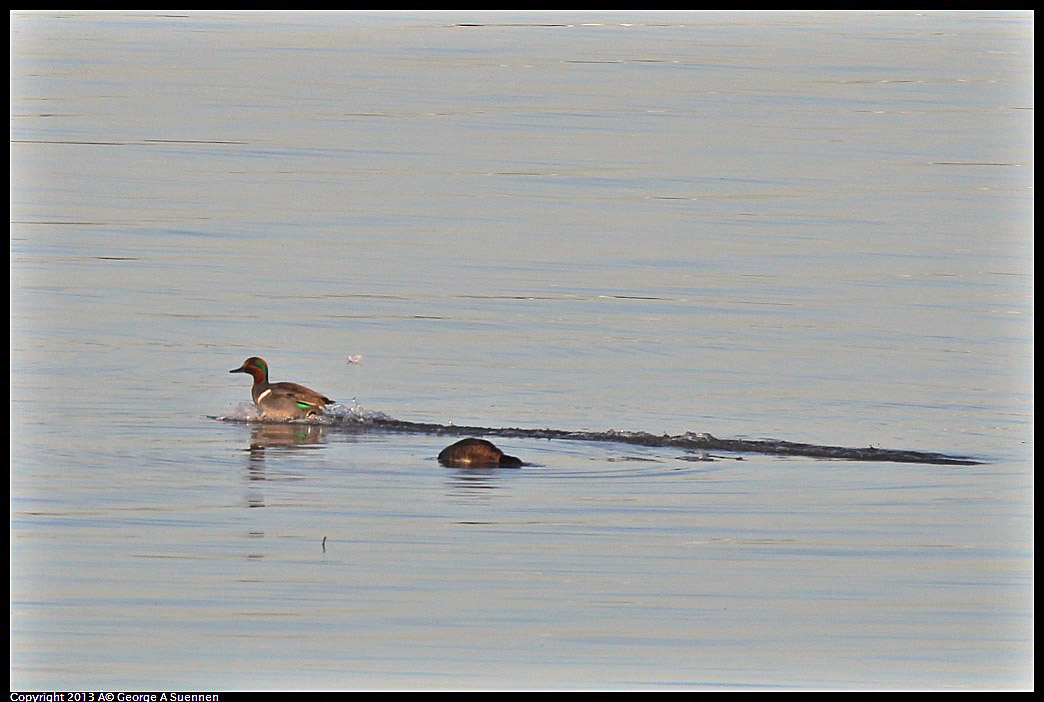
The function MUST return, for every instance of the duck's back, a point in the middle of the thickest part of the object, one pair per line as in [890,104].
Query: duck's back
[476,452]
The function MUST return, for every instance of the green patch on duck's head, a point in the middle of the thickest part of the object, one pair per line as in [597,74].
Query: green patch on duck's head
[255,367]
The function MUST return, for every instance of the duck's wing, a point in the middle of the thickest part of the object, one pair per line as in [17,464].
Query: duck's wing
[300,394]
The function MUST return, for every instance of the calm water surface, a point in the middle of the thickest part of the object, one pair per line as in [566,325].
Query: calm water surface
[810,227]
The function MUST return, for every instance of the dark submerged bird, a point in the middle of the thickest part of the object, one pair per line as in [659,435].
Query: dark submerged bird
[281,400]
[476,453]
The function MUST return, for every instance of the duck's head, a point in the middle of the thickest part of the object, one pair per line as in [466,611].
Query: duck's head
[254,366]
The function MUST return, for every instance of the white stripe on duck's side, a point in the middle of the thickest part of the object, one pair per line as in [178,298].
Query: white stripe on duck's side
[265,394]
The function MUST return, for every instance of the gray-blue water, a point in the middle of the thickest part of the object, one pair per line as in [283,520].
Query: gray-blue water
[811,227]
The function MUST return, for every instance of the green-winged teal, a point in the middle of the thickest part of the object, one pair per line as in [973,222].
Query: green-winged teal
[476,453]
[281,400]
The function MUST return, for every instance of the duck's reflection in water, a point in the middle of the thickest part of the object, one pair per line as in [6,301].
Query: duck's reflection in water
[266,438]
[473,481]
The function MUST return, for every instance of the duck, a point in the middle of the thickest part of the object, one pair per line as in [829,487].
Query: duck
[281,400]
[476,453]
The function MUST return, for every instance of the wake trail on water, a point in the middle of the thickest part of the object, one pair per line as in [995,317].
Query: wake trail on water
[355,419]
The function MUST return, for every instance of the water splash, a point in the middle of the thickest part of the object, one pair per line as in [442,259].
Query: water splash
[243,412]
[353,417]
[337,414]
[353,413]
